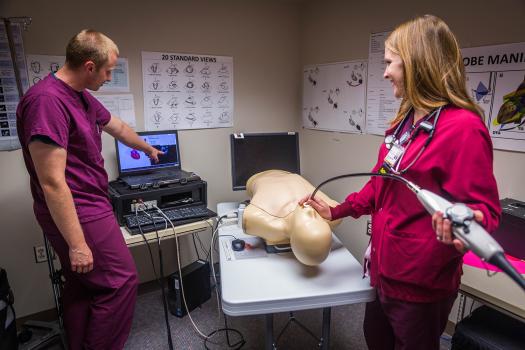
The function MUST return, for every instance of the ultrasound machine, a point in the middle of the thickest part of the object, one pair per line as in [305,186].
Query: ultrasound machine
[145,187]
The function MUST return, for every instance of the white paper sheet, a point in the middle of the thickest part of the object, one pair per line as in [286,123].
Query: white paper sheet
[122,106]
[381,104]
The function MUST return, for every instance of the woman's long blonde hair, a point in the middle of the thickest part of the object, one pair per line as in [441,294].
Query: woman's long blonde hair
[434,74]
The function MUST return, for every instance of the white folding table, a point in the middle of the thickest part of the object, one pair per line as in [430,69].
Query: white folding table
[280,283]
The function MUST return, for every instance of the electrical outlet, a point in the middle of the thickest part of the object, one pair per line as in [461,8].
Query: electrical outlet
[40,254]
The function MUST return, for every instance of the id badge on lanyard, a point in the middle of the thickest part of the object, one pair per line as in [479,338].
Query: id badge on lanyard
[394,155]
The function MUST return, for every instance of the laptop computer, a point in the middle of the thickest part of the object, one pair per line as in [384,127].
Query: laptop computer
[139,171]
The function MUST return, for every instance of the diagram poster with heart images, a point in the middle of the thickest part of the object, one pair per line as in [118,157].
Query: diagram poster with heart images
[187,91]
[496,82]
[39,67]
[334,96]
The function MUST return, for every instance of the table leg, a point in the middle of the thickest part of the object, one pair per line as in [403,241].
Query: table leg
[269,332]
[325,337]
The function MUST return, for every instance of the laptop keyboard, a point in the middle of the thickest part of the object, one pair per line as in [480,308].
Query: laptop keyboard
[160,179]
[141,179]
[154,221]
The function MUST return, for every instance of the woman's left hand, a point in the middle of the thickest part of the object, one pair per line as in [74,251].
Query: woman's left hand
[443,229]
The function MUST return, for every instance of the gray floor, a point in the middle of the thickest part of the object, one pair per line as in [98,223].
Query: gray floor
[149,330]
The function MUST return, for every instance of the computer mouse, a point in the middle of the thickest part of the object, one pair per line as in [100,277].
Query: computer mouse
[238,245]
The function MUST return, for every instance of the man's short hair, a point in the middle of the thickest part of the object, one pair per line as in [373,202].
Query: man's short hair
[89,45]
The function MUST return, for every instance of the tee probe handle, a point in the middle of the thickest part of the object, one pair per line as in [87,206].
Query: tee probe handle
[465,228]
[468,231]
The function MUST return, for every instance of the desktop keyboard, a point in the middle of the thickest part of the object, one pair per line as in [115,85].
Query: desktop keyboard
[155,221]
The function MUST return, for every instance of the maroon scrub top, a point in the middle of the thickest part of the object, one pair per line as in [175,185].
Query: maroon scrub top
[73,120]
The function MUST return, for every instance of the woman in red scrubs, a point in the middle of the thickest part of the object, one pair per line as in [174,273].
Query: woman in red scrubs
[437,140]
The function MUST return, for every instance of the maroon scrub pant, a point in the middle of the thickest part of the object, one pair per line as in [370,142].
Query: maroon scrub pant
[98,305]
[392,324]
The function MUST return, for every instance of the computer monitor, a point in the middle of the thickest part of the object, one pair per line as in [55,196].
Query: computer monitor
[131,161]
[253,153]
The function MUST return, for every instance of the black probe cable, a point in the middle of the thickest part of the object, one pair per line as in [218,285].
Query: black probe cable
[501,261]
[392,176]
[498,259]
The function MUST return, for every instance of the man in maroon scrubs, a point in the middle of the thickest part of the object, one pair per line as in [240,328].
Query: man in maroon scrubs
[59,126]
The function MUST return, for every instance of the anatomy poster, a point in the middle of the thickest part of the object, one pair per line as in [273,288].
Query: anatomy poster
[39,66]
[334,96]
[10,91]
[478,85]
[496,81]
[187,91]
[381,104]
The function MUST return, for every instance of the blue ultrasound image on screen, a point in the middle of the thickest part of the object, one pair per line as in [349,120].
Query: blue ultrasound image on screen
[132,160]
[169,156]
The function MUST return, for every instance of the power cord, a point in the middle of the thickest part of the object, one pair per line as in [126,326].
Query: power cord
[161,269]
[195,246]
[141,232]
[237,345]
[180,270]
[241,342]
[213,239]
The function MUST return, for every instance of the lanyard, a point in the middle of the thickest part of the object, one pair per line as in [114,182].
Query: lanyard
[397,148]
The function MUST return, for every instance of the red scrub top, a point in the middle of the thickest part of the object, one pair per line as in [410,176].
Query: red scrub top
[407,262]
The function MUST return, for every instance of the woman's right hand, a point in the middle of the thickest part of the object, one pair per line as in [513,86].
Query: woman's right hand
[318,204]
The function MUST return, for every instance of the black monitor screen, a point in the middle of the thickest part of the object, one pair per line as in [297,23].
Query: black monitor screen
[253,153]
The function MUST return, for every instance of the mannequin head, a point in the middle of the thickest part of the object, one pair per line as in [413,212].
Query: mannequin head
[275,216]
[310,236]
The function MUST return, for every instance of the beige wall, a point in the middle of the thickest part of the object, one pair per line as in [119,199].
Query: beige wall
[270,41]
[262,37]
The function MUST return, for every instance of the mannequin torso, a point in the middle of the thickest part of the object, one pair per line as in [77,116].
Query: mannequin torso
[274,215]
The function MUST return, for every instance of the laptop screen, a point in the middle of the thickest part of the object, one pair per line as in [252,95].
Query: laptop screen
[131,161]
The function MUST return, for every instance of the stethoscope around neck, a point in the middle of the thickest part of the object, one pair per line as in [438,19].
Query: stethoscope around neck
[409,136]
